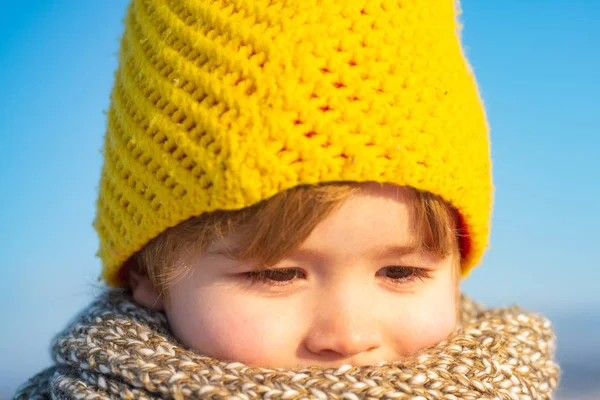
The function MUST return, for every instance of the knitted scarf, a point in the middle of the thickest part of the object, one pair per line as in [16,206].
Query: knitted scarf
[116,349]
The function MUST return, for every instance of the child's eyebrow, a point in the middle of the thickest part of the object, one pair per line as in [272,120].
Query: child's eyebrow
[396,250]
[221,251]
[380,252]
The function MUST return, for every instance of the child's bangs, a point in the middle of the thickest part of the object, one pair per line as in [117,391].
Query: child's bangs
[275,228]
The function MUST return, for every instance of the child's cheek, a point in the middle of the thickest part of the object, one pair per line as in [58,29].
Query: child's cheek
[425,322]
[236,328]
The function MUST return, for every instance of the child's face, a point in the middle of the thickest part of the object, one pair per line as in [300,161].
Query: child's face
[339,299]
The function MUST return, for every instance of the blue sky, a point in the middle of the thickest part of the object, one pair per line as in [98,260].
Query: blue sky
[537,68]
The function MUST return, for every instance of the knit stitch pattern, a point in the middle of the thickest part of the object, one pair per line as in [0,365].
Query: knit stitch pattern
[118,350]
[219,104]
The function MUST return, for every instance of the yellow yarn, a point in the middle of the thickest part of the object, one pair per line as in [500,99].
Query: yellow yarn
[219,104]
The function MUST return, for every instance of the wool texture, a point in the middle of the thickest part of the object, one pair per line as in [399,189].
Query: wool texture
[220,104]
[118,350]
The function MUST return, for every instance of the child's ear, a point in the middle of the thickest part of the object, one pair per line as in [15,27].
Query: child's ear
[144,292]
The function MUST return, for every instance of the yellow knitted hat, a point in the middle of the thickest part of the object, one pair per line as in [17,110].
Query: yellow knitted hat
[219,104]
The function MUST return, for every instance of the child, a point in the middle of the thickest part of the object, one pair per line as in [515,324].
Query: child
[292,190]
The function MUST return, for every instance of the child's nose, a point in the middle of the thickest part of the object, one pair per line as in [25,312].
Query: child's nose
[342,330]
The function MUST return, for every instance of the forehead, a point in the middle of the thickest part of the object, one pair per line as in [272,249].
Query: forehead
[375,216]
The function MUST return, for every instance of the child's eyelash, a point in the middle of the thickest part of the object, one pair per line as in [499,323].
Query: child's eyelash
[397,274]
[286,276]
[275,277]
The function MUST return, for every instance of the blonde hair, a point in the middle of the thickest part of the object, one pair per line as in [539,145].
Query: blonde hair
[272,229]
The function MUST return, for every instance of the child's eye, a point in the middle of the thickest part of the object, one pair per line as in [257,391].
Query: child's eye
[280,276]
[403,274]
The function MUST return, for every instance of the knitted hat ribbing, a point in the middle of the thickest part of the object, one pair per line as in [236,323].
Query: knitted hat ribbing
[219,104]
